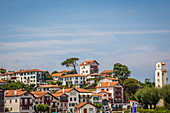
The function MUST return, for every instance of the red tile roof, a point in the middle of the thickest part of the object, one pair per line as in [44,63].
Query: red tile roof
[49,86]
[1,81]
[104,92]
[18,92]
[58,94]
[73,75]
[164,70]
[107,84]
[65,90]
[57,74]
[38,94]
[107,71]
[2,69]
[64,71]
[83,90]
[83,104]
[29,70]
[88,62]
[95,94]
[162,63]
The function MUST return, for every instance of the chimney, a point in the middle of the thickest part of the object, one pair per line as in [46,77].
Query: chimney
[63,90]
[15,92]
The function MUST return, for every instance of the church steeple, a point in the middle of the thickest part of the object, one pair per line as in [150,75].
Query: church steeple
[161,77]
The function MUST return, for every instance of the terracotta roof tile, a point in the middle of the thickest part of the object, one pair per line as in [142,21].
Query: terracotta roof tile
[1,81]
[2,69]
[73,75]
[107,84]
[65,90]
[81,105]
[64,71]
[83,90]
[88,62]
[95,94]
[57,74]
[104,92]
[107,71]
[164,70]
[57,94]
[38,94]
[49,86]
[18,92]
[111,78]
[162,63]
[29,70]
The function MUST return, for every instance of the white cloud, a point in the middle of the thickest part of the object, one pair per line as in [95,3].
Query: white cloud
[147,48]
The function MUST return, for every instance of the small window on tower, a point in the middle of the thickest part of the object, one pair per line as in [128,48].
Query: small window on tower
[158,74]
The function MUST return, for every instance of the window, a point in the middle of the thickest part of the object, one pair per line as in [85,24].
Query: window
[86,71]
[162,73]
[158,74]
[11,109]
[102,89]
[70,99]
[70,104]
[41,98]
[107,89]
[15,100]
[61,104]
[10,101]
[105,95]
[74,98]
[65,104]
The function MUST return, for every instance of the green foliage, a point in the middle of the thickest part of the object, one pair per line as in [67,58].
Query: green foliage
[98,105]
[54,72]
[6,109]
[165,94]
[71,62]
[60,109]
[121,71]
[41,108]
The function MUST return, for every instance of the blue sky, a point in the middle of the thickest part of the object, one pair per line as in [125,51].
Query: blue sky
[41,34]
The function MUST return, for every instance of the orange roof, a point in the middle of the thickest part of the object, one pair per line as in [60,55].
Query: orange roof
[9,73]
[73,75]
[107,84]
[1,81]
[57,94]
[83,90]
[39,93]
[88,62]
[164,70]
[111,78]
[83,104]
[52,86]
[65,90]
[132,100]
[162,63]
[29,70]
[95,94]
[64,71]
[19,92]
[57,74]
[107,71]
[2,69]
[104,92]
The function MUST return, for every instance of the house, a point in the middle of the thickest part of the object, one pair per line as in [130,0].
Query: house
[45,98]
[63,102]
[56,76]
[73,98]
[3,82]
[19,101]
[65,72]
[113,92]
[6,76]
[74,79]
[108,79]
[30,76]
[93,75]
[86,107]
[84,95]
[107,73]
[2,100]
[96,98]
[48,88]
[89,67]
[2,70]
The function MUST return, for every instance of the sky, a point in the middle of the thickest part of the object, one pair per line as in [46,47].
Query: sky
[41,34]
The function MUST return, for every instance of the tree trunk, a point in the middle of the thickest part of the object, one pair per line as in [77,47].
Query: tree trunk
[74,68]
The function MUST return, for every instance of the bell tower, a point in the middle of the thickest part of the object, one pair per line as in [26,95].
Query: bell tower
[161,77]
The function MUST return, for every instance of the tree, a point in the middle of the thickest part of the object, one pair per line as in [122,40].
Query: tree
[121,71]
[165,94]
[131,86]
[71,62]
[54,72]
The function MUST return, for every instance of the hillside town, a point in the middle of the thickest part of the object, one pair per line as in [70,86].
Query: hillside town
[69,92]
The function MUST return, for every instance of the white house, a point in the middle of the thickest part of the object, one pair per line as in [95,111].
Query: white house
[75,79]
[19,101]
[161,77]
[108,79]
[3,82]
[113,92]
[86,107]
[48,88]
[30,76]
[89,67]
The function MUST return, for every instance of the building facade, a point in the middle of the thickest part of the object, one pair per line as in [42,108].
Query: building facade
[2,100]
[161,78]
[89,67]
[48,88]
